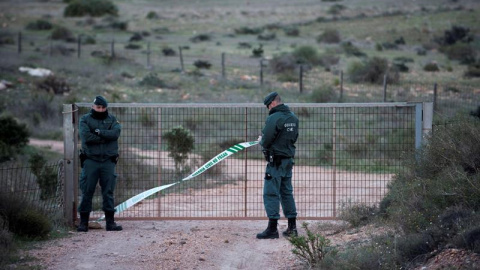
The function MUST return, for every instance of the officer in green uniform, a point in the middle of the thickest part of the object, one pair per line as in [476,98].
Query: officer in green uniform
[278,145]
[99,132]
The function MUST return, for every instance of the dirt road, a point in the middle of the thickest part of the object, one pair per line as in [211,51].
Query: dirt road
[170,245]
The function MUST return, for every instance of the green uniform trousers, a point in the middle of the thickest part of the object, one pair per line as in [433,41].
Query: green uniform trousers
[93,172]
[278,189]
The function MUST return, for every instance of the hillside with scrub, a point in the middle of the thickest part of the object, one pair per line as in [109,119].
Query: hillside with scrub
[56,52]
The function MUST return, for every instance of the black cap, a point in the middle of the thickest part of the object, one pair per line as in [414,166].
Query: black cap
[269,98]
[101,101]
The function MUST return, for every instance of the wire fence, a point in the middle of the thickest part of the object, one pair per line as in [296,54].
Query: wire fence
[449,98]
[346,154]
[40,186]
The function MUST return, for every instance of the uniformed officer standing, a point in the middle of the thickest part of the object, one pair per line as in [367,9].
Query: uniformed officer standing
[99,132]
[278,145]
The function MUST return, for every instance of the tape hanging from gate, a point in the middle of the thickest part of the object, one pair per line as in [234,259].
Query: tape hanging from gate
[140,197]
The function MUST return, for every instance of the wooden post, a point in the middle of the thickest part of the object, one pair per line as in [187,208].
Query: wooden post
[69,162]
[223,66]
[435,97]
[385,88]
[19,42]
[261,72]
[112,48]
[79,45]
[341,85]
[181,58]
[50,46]
[148,54]
[300,79]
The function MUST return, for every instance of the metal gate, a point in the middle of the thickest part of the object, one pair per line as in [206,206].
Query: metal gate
[346,154]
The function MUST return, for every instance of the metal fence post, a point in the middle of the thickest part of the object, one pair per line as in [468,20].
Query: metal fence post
[418,126]
[427,119]
[341,85]
[435,97]
[79,45]
[181,58]
[50,46]
[385,88]
[69,162]
[223,66]
[334,162]
[300,79]
[148,55]
[113,48]
[19,42]
[261,72]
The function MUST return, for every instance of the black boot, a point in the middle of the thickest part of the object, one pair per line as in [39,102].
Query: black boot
[83,226]
[271,232]
[111,225]
[292,228]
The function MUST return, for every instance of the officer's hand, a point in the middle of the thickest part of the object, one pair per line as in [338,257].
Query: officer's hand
[97,131]
[259,138]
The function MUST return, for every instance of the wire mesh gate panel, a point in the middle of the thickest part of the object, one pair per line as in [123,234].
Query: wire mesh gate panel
[346,154]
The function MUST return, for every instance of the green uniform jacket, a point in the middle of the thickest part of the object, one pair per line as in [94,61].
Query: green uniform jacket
[99,147]
[280,132]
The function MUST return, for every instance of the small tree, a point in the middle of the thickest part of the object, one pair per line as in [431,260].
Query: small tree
[46,176]
[179,144]
[13,136]
[312,248]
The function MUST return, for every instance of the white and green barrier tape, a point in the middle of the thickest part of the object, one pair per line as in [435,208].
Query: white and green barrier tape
[140,197]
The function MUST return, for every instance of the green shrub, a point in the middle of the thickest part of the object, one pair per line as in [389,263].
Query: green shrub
[179,144]
[412,246]
[306,55]
[377,254]
[358,214]
[431,67]
[46,176]
[465,53]
[23,218]
[62,33]
[6,245]
[6,39]
[267,36]
[445,174]
[473,70]
[13,137]
[470,240]
[94,8]
[351,49]
[328,59]
[372,71]
[39,25]
[133,46]
[167,51]
[454,35]
[31,223]
[153,80]
[288,76]
[201,38]
[248,31]
[202,64]
[152,15]
[258,52]
[329,36]
[323,94]
[292,31]
[336,9]
[312,248]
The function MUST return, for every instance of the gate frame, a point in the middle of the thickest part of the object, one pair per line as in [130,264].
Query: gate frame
[423,127]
